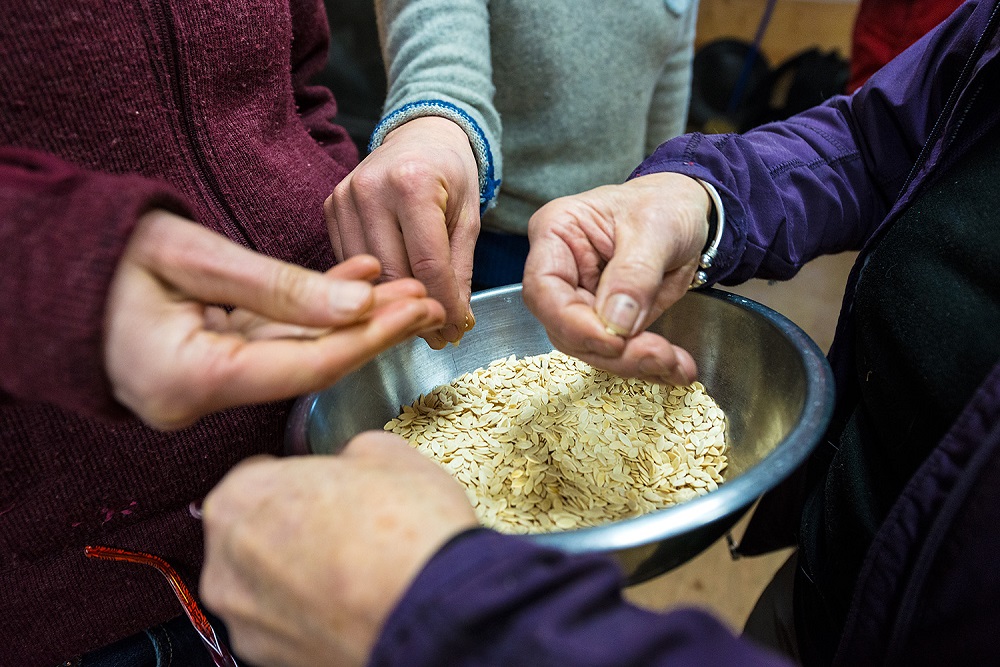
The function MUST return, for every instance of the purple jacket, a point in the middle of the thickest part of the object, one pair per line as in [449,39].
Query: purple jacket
[108,109]
[828,180]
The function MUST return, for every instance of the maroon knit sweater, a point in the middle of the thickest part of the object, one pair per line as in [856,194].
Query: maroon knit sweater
[108,109]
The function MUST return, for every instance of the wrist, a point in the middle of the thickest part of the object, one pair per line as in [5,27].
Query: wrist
[716,224]
[434,126]
[488,184]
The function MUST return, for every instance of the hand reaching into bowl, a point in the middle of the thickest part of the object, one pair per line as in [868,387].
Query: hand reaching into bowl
[172,355]
[414,204]
[307,556]
[606,263]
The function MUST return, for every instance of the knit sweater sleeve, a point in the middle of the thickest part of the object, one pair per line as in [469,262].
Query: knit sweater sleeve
[669,106]
[437,55]
[62,232]
[315,104]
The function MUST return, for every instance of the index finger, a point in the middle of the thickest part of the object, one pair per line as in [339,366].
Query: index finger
[235,371]
[560,278]
[423,221]
[569,318]
[209,267]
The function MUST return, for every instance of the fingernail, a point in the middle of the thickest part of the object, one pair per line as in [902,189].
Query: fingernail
[619,314]
[450,332]
[350,295]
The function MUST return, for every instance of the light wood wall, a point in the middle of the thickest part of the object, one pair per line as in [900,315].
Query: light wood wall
[795,24]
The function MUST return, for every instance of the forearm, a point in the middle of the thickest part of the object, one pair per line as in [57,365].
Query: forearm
[487,599]
[62,231]
[437,55]
[788,196]
[822,181]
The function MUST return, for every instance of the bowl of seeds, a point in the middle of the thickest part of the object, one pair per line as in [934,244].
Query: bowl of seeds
[551,448]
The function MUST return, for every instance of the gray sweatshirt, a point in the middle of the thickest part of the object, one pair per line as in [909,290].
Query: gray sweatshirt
[557,96]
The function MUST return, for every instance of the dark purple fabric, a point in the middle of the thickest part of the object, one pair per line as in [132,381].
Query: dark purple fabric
[487,599]
[826,181]
[848,169]
[927,593]
[108,110]
[860,161]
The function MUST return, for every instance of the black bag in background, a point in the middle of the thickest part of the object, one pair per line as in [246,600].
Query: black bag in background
[803,81]
[734,89]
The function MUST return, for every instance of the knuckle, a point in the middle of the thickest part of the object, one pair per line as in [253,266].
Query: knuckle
[393,270]
[330,204]
[363,182]
[410,178]
[430,269]
[290,287]
[344,195]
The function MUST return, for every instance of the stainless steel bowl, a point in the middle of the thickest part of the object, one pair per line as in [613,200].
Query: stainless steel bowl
[769,377]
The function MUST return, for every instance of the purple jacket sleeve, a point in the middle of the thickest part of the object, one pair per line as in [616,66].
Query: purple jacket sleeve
[822,181]
[491,599]
[62,231]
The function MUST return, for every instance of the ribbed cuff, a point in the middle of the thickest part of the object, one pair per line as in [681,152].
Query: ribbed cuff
[480,146]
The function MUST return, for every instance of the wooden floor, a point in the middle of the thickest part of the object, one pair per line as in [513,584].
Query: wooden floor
[713,580]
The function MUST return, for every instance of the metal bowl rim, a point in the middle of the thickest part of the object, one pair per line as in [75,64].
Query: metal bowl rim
[730,498]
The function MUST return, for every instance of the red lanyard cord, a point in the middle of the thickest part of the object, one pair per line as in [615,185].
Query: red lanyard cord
[220,654]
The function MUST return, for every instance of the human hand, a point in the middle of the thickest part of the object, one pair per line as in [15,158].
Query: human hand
[606,263]
[414,204]
[306,557]
[173,355]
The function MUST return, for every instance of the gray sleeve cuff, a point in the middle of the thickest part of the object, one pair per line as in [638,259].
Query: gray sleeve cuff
[488,184]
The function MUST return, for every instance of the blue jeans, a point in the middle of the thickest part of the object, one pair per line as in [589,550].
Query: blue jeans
[173,644]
